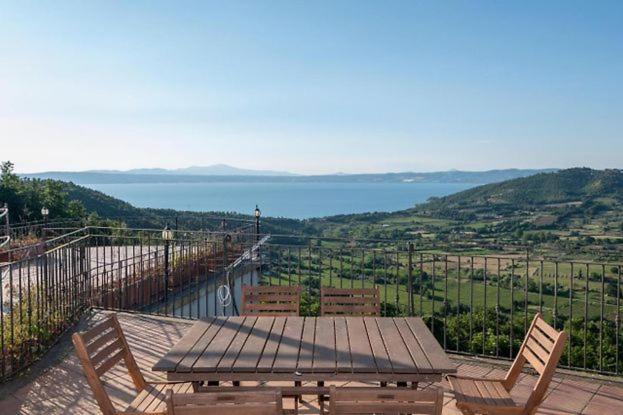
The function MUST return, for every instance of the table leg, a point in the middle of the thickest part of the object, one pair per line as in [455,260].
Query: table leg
[321,398]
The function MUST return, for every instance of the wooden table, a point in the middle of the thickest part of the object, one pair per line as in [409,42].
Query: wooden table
[380,349]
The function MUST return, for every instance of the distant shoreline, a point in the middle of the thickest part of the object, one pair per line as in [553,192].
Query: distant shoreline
[467,177]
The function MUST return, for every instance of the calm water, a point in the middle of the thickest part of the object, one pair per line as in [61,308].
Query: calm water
[291,200]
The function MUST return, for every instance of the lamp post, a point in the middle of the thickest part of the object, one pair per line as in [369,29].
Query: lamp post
[257,213]
[167,237]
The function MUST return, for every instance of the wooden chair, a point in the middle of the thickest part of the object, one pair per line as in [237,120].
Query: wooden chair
[102,348]
[542,348]
[271,300]
[224,403]
[350,301]
[385,401]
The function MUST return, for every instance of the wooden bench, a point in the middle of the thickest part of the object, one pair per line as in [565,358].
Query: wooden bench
[541,348]
[350,301]
[385,401]
[225,403]
[102,348]
[271,300]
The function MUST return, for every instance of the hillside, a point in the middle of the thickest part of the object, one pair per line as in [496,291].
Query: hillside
[571,185]
[111,208]
[576,211]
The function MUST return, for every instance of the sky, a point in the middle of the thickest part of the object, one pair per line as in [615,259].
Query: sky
[311,87]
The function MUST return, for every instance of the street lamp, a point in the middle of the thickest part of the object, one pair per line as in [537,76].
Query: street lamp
[167,236]
[257,213]
[45,212]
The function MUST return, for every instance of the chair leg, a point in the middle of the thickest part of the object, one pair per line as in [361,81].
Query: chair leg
[383,384]
[414,385]
[321,398]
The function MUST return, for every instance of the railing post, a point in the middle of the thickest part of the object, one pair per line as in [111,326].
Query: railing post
[410,278]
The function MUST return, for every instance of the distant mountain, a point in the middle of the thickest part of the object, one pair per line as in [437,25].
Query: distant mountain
[224,173]
[212,170]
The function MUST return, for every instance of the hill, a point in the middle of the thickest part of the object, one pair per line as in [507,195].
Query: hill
[111,208]
[571,185]
[575,211]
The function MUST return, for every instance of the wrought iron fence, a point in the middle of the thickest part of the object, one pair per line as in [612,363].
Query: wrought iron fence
[46,290]
[474,304]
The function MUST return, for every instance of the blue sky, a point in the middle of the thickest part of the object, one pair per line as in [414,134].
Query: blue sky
[311,87]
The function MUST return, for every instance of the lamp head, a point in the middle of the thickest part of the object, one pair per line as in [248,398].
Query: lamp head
[167,233]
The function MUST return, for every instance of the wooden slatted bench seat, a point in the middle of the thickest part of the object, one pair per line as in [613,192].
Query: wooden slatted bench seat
[151,400]
[483,395]
[385,401]
[258,402]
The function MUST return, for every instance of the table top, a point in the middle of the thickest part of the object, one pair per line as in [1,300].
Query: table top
[275,348]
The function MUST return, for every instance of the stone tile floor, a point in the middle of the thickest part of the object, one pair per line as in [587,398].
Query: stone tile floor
[56,384]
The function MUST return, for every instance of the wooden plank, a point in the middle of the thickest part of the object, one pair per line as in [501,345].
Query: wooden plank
[250,354]
[537,349]
[269,354]
[542,339]
[324,347]
[289,346]
[187,362]
[436,356]
[170,360]
[217,348]
[342,347]
[384,362]
[236,345]
[102,341]
[306,352]
[109,363]
[104,353]
[534,360]
[396,348]
[97,330]
[546,329]
[415,349]
[360,349]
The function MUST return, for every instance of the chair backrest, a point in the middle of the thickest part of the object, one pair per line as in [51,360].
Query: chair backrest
[541,348]
[100,349]
[385,401]
[350,301]
[225,403]
[271,300]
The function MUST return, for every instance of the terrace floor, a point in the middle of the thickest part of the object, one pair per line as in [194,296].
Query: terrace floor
[56,385]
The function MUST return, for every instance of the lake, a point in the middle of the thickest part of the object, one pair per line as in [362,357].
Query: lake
[290,200]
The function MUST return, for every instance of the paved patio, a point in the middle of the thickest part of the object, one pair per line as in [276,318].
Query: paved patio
[56,384]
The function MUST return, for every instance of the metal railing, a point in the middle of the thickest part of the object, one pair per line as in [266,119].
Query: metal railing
[474,304]
[45,292]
